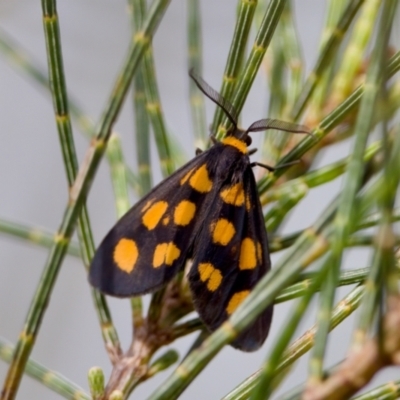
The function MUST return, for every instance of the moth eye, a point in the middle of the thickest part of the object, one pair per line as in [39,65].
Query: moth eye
[248,140]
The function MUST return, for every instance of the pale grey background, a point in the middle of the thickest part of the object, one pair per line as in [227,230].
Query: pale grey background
[95,37]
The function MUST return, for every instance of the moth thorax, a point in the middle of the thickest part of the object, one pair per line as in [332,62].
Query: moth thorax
[238,139]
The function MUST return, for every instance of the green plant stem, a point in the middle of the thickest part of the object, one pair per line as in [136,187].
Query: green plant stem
[345,217]
[155,113]
[142,136]
[163,362]
[285,83]
[185,328]
[236,55]
[265,381]
[293,57]
[152,100]
[53,380]
[34,235]
[118,175]
[45,238]
[354,53]
[16,55]
[326,54]
[274,140]
[290,193]
[263,38]
[383,278]
[316,177]
[388,391]
[318,98]
[197,107]
[277,213]
[77,198]
[60,103]
[326,125]
[282,242]
[300,346]
[300,288]
[307,247]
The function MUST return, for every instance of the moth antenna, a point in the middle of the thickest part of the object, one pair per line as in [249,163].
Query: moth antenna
[269,123]
[214,96]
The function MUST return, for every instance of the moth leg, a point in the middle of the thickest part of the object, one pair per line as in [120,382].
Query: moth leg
[256,163]
[198,151]
[272,169]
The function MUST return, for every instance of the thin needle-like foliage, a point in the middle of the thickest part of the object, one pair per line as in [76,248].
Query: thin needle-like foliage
[350,94]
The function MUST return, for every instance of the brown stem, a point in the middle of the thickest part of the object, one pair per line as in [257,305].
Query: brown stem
[132,367]
[362,363]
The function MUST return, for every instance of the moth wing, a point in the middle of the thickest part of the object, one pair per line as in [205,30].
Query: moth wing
[151,242]
[230,258]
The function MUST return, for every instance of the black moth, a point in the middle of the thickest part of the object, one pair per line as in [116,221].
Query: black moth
[208,211]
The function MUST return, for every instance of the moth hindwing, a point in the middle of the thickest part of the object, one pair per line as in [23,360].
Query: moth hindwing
[208,210]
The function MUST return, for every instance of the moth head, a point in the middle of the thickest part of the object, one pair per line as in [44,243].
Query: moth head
[232,115]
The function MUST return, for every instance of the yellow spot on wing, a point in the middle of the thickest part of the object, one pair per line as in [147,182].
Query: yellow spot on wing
[222,231]
[248,203]
[165,220]
[184,212]
[211,275]
[205,271]
[165,253]
[237,143]
[126,254]
[147,205]
[214,281]
[200,180]
[186,177]
[247,258]
[235,300]
[153,215]
[233,195]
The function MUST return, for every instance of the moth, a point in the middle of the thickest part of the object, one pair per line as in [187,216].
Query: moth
[208,211]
